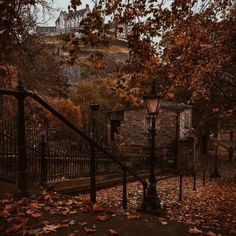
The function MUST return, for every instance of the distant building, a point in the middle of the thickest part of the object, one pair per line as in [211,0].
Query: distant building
[67,22]
[174,140]
[120,31]
[70,21]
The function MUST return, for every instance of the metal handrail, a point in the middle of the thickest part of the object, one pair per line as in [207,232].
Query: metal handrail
[78,131]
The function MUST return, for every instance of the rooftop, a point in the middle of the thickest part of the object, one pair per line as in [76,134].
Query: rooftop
[164,105]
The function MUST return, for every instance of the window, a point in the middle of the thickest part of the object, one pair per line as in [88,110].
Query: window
[187,120]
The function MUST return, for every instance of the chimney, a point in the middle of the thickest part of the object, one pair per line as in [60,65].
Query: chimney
[87,6]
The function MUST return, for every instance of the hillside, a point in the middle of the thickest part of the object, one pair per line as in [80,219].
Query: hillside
[112,56]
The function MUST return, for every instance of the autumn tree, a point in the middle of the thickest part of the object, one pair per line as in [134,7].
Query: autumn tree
[94,90]
[184,45]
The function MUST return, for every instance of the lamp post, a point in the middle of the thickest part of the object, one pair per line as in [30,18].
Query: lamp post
[152,102]
[216,173]
[94,108]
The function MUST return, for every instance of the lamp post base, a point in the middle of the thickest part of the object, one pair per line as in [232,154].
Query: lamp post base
[152,209]
[22,184]
[215,173]
[152,204]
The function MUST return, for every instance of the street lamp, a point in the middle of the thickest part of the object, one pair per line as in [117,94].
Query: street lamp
[94,107]
[152,103]
[216,173]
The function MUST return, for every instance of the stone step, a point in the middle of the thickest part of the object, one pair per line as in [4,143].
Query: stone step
[83,184]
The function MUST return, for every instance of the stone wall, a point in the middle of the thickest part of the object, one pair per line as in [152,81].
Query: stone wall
[173,120]
[134,129]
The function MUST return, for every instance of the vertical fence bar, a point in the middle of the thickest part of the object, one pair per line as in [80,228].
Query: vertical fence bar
[180,187]
[8,148]
[203,177]
[43,179]
[92,174]
[4,148]
[144,196]
[22,180]
[194,181]
[210,174]
[124,198]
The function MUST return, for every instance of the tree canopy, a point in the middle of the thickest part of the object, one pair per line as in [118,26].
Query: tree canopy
[187,46]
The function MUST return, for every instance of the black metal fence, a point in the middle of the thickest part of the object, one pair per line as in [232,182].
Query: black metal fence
[8,151]
[49,162]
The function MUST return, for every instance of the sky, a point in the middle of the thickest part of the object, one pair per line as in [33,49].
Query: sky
[57,6]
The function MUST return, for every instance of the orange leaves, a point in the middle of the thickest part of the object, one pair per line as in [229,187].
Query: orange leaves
[17,227]
[90,230]
[133,216]
[50,228]
[4,214]
[96,60]
[98,208]
[194,231]
[163,221]
[180,41]
[69,47]
[101,218]
[113,232]
[111,210]
[99,66]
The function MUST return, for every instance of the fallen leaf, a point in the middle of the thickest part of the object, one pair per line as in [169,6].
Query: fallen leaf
[63,225]
[36,215]
[71,234]
[210,233]
[194,230]
[16,227]
[163,221]
[82,223]
[35,232]
[84,209]
[111,211]
[90,230]
[4,214]
[45,222]
[133,216]
[101,218]
[98,208]
[71,222]
[113,232]
[50,228]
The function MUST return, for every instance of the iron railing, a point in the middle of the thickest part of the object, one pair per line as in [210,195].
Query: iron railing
[23,149]
[49,161]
